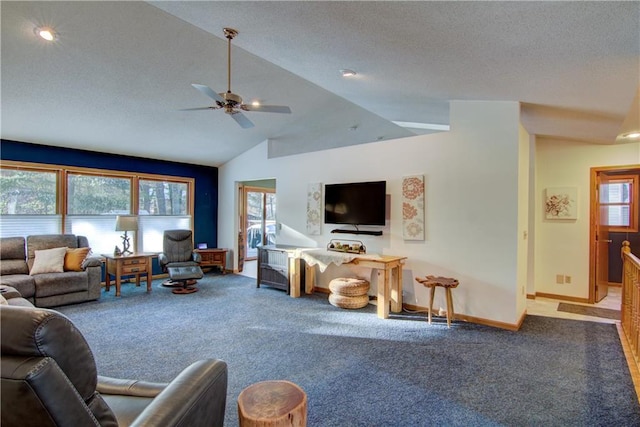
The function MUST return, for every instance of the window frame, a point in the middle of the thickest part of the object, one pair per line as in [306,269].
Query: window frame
[134,178]
[633,204]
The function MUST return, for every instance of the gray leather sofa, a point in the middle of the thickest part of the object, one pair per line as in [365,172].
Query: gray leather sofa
[49,378]
[48,289]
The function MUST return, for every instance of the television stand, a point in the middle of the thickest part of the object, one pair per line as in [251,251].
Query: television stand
[367,232]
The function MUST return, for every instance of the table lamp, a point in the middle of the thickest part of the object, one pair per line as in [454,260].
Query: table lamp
[126,223]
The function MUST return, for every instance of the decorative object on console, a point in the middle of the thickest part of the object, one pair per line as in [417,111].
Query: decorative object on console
[561,203]
[349,246]
[126,223]
[314,209]
[413,207]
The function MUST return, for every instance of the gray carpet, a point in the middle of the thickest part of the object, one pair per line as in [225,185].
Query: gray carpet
[358,370]
[605,313]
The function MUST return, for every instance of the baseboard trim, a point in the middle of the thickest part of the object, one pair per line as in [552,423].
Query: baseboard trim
[562,297]
[471,319]
[458,316]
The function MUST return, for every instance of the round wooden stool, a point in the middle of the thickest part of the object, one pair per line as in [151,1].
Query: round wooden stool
[272,404]
[447,283]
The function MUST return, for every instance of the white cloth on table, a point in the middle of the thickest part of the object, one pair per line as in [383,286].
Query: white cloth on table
[322,257]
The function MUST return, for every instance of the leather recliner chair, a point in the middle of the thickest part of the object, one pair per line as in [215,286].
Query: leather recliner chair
[180,261]
[49,378]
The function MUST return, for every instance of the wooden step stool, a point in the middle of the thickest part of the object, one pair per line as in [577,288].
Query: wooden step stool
[447,283]
[272,404]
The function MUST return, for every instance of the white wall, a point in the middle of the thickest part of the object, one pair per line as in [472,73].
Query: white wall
[562,247]
[473,229]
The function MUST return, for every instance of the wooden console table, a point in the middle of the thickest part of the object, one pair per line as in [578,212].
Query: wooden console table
[214,258]
[388,267]
[136,264]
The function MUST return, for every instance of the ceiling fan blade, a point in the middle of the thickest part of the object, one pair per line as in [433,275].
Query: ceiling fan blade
[209,92]
[242,120]
[198,108]
[267,108]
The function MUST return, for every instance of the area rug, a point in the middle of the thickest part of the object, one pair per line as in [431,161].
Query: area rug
[358,370]
[605,313]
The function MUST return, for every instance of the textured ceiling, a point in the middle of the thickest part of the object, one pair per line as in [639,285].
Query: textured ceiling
[120,72]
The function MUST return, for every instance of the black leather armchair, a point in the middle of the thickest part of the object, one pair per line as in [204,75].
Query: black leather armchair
[49,378]
[180,261]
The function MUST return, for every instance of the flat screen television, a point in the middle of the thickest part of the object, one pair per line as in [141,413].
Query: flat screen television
[357,203]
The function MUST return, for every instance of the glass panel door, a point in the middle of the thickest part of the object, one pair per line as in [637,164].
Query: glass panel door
[260,219]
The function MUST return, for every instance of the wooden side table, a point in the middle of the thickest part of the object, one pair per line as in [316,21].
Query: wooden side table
[272,404]
[214,258]
[447,283]
[136,264]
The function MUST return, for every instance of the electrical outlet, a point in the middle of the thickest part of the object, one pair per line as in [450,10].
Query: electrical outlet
[559,279]
[567,279]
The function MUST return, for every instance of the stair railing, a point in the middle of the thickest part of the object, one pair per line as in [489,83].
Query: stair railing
[630,309]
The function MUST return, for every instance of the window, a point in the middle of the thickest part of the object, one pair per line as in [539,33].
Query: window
[163,205]
[93,202]
[47,199]
[618,198]
[28,202]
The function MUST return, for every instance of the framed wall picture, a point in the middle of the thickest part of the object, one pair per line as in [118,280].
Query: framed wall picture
[314,209]
[561,203]
[413,207]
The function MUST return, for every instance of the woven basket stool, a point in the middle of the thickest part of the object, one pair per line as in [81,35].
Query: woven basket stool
[447,283]
[349,293]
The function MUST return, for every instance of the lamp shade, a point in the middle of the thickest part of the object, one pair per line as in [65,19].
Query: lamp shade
[127,223]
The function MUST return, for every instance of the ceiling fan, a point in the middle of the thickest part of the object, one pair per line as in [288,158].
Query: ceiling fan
[231,102]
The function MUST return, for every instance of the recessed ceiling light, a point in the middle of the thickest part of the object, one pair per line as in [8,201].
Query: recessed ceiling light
[347,72]
[256,103]
[46,33]
[631,135]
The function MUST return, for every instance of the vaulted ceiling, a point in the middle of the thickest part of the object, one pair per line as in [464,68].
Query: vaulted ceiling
[118,78]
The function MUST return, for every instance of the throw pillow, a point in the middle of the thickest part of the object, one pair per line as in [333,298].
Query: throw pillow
[74,258]
[48,261]
[3,301]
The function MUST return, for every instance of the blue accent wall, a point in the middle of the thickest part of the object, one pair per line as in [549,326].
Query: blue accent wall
[205,218]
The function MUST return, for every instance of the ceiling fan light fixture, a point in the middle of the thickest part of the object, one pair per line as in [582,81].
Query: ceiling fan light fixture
[345,72]
[230,102]
[46,33]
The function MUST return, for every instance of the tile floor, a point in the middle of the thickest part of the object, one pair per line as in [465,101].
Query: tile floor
[549,307]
